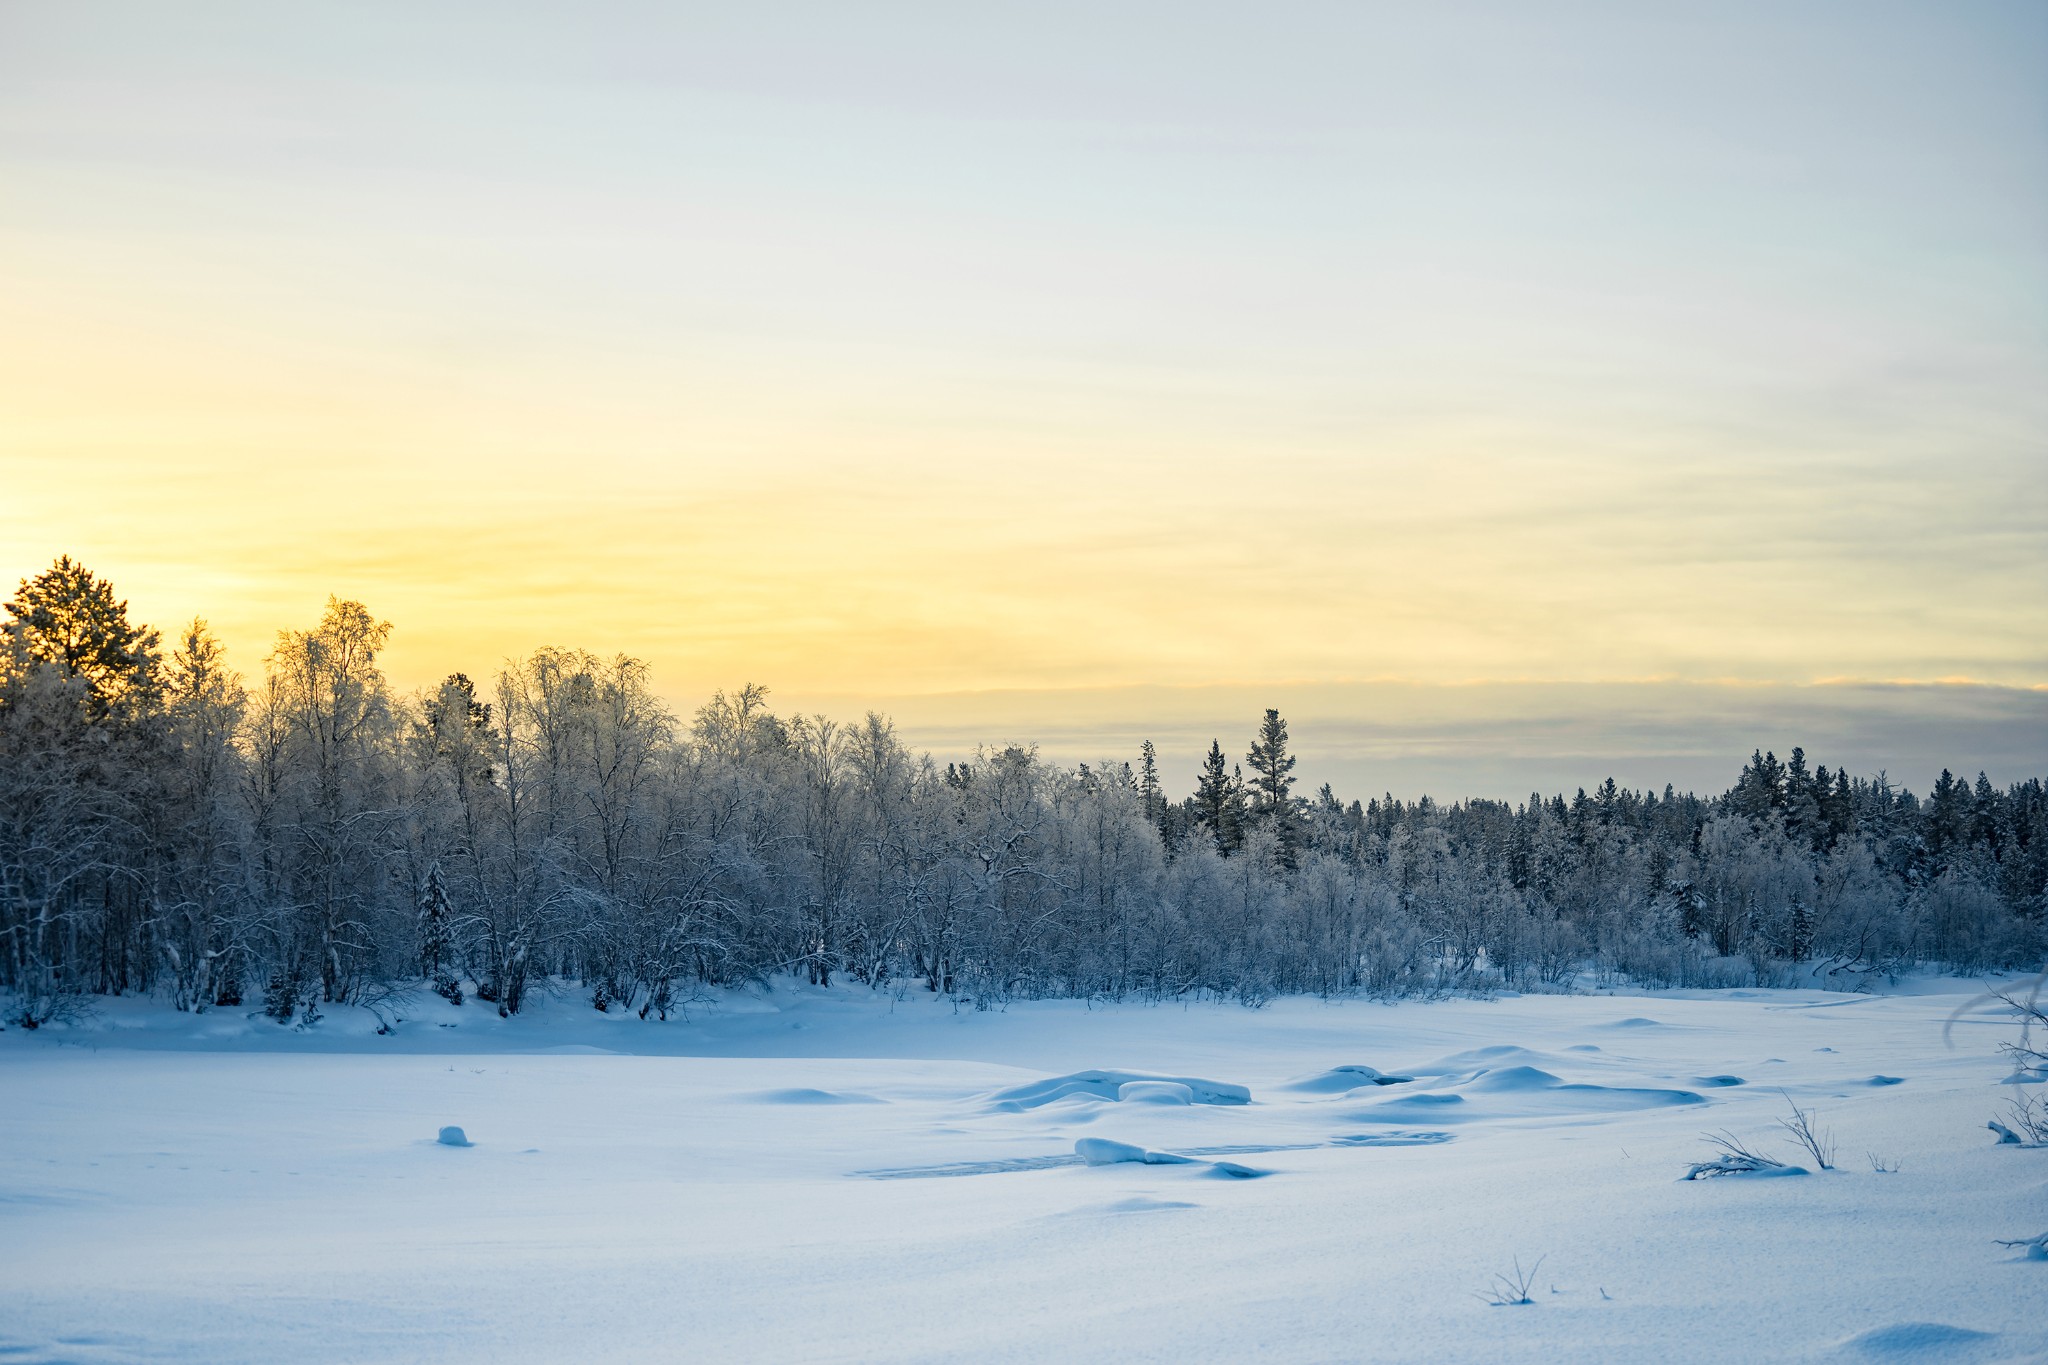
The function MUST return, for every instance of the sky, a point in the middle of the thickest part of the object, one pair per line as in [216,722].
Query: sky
[1508,391]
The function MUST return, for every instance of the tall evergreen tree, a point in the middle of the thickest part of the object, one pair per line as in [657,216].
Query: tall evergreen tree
[1149,791]
[68,617]
[437,937]
[1760,791]
[1218,802]
[1272,787]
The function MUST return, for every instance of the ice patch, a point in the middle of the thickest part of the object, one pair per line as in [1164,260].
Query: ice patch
[1107,1085]
[452,1136]
[1886,1080]
[1719,1080]
[806,1095]
[1917,1340]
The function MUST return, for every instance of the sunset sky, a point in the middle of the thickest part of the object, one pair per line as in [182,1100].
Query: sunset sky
[1526,391]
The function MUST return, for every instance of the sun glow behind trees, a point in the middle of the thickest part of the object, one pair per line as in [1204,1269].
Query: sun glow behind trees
[319,838]
[1371,344]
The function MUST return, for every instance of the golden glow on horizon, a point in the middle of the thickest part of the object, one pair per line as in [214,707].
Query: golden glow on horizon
[841,543]
[865,399]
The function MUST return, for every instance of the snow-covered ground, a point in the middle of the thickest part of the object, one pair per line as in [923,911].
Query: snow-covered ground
[836,1175]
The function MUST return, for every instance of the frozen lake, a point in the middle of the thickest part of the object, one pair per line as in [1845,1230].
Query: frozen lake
[841,1176]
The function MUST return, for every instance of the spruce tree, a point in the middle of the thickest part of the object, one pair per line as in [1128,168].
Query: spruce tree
[68,617]
[1272,785]
[1760,790]
[1217,801]
[437,937]
[1149,790]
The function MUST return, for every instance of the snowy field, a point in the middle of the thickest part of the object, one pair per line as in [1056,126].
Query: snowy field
[835,1175]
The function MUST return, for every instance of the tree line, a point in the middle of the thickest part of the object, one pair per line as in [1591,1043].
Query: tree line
[312,836]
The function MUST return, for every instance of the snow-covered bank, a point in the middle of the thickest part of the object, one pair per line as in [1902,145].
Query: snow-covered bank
[836,1175]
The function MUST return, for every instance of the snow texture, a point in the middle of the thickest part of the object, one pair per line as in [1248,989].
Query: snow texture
[802,1173]
[1110,1085]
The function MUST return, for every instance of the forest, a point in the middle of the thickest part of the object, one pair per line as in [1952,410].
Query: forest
[312,836]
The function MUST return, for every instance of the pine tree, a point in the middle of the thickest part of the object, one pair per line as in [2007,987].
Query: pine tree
[84,810]
[1218,801]
[1948,820]
[68,617]
[287,988]
[437,937]
[1803,792]
[1272,765]
[1760,791]
[1271,795]
[1149,790]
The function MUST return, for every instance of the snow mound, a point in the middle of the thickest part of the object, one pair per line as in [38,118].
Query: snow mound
[1138,1203]
[1103,1152]
[452,1136]
[1636,1021]
[1154,1092]
[1435,1107]
[1108,1085]
[1532,1081]
[1609,1097]
[1478,1059]
[1515,1079]
[577,1050]
[1917,1340]
[1885,1080]
[806,1095]
[1339,1079]
[1521,1090]
[1719,1080]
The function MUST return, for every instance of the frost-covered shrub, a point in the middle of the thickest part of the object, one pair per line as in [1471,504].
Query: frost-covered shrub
[1964,923]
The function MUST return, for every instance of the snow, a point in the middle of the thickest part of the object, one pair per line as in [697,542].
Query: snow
[1155,1092]
[1919,1341]
[846,1175]
[1103,1152]
[1119,1085]
[452,1136]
